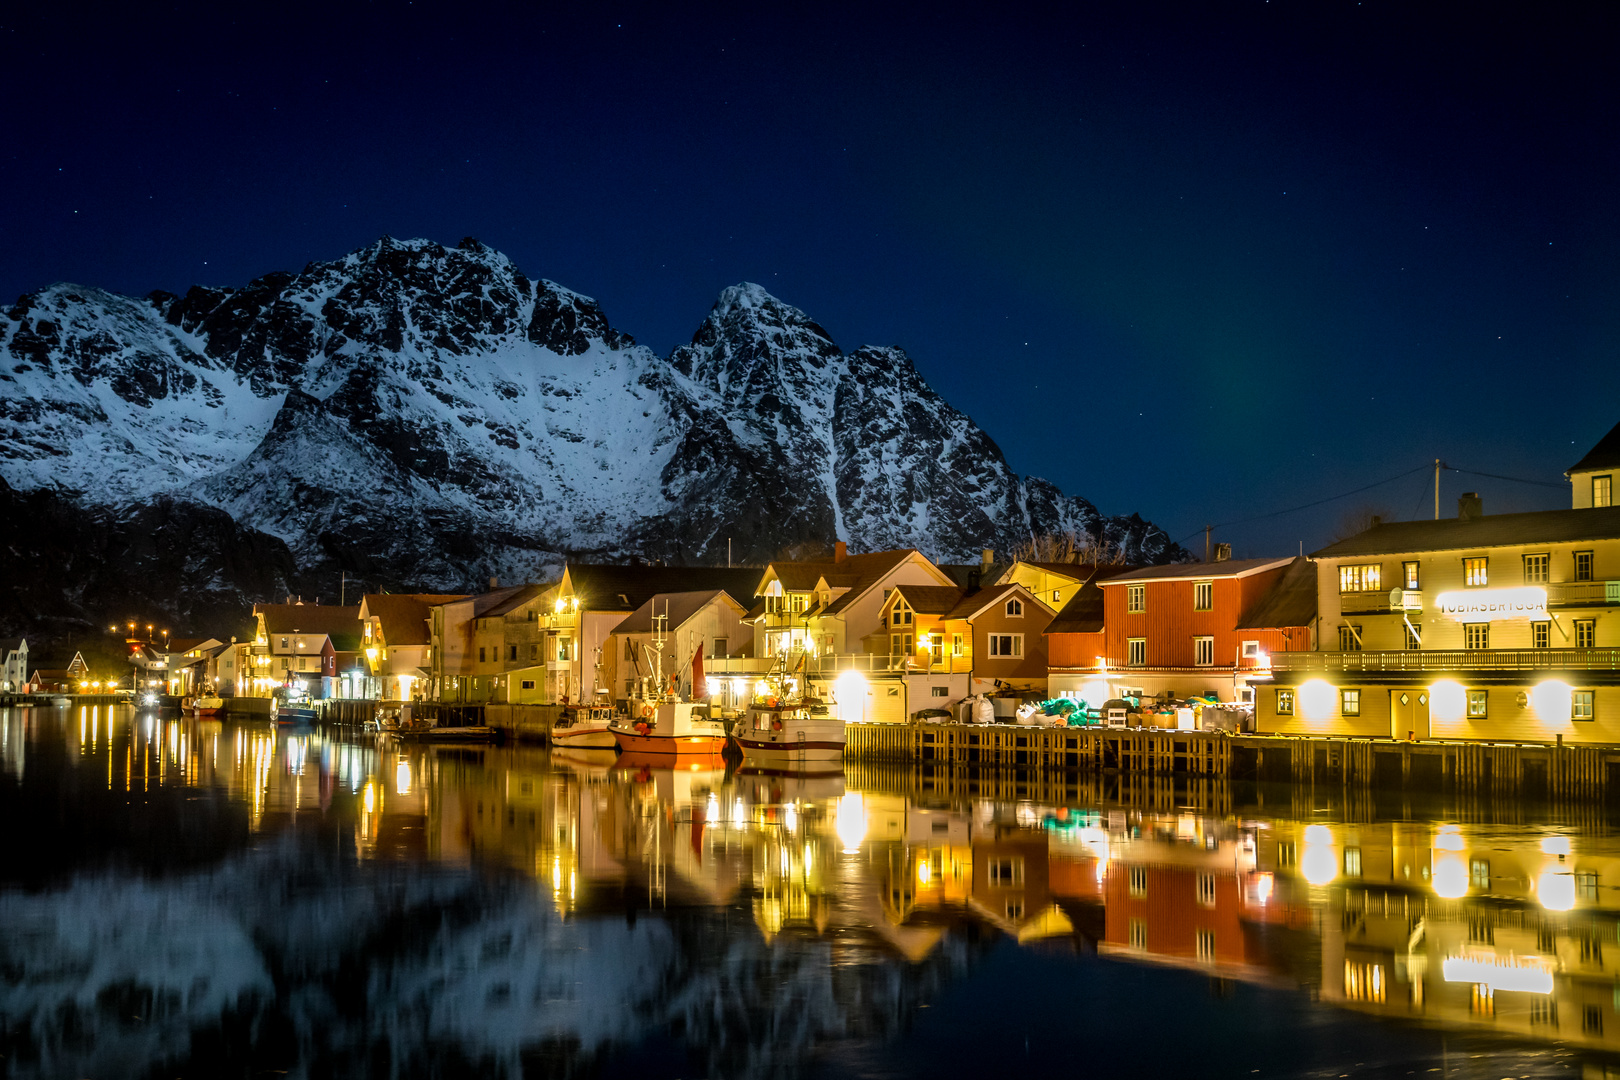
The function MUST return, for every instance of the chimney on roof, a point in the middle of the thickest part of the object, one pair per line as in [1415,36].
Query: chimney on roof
[986,558]
[1223,552]
[494,583]
[840,551]
[1470,507]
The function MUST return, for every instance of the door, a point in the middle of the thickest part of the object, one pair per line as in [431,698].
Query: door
[1409,713]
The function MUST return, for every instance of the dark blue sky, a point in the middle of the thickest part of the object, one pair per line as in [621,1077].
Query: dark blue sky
[1201,263]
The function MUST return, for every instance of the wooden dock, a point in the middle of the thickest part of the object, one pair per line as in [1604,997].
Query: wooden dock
[1552,769]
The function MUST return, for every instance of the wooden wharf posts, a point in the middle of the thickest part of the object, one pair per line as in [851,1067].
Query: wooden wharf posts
[1554,769]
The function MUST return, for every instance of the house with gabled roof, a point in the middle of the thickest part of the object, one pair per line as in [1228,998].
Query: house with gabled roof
[396,640]
[298,643]
[188,660]
[696,627]
[485,647]
[592,599]
[15,672]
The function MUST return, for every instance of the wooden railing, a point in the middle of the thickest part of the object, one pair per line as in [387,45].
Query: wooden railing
[1438,660]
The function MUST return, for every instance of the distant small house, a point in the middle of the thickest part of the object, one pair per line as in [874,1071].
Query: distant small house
[15,673]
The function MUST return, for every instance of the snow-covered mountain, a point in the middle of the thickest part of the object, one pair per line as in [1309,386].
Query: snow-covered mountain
[428,415]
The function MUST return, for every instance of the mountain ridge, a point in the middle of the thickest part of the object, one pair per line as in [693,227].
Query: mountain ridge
[430,416]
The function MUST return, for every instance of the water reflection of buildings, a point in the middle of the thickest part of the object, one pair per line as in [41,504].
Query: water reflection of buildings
[1511,928]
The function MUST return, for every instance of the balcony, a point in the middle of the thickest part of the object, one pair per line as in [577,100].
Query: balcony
[1444,660]
[801,663]
[1378,603]
[1583,593]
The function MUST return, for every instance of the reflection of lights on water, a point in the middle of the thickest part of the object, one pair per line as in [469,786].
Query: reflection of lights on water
[402,777]
[787,862]
[790,817]
[1527,977]
[809,861]
[1555,845]
[1450,876]
[711,812]
[1448,838]
[556,874]
[850,823]
[370,800]
[1557,890]
[1263,886]
[1318,865]
[1318,834]
[924,872]
[739,813]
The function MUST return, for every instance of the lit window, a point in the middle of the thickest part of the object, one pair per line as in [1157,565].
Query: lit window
[1349,638]
[1476,635]
[1135,599]
[1585,633]
[956,644]
[1056,595]
[1352,862]
[1541,635]
[1203,651]
[1350,702]
[1602,491]
[1478,706]
[1476,572]
[1479,873]
[1583,566]
[1138,882]
[1409,576]
[940,691]
[1206,946]
[1366,577]
[1535,569]
[1015,609]
[1412,639]
[1285,703]
[1582,705]
[1136,651]
[900,645]
[1204,596]
[1206,890]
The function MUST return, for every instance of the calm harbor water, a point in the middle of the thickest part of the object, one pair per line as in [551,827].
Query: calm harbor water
[195,898]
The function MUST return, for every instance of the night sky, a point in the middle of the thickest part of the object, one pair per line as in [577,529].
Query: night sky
[1204,264]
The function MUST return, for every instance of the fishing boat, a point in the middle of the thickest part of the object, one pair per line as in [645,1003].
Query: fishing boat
[294,707]
[583,725]
[658,721]
[778,732]
[208,706]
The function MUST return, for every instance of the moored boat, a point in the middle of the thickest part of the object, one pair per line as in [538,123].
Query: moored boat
[780,732]
[668,727]
[208,706]
[583,725]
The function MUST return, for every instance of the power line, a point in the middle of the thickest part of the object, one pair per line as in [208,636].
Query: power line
[1306,506]
[1510,479]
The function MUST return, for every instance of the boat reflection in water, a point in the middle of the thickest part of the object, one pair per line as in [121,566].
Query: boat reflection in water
[434,906]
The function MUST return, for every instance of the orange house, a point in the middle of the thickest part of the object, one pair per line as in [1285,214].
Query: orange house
[1198,628]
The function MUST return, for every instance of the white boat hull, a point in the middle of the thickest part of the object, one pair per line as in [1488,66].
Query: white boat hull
[583,737]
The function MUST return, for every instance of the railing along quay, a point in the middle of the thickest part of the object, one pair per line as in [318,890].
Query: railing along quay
[1475,768]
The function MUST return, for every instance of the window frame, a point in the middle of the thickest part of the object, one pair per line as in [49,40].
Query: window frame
[1481,710]
[1541,634]
[1587,629]
[1607,481]
[1200,641]
[1537,567]
[1584,569]
[1578,697]
[1017,642]
[1131,659]
[1361,577]
[1285,702]
[1204,596]
[1476,572]
[1014,608]
[1411,636]
[1350,701]
[1135,599]
[956,644]
[1412,574]
[1350,632]
[1480,629]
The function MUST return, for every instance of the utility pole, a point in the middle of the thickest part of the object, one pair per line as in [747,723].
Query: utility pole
[728,553]
[1207,530]
[1437,489]
[343,589]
